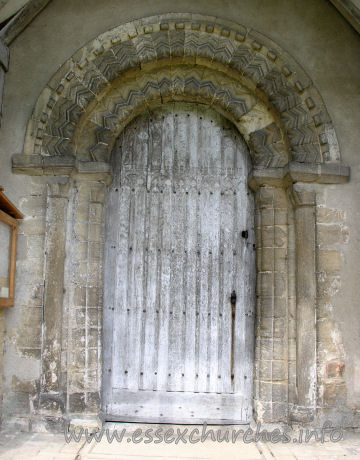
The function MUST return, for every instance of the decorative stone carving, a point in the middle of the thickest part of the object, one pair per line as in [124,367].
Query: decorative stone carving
[172,57]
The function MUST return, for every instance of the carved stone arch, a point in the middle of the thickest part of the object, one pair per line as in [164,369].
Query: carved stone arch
[144,63]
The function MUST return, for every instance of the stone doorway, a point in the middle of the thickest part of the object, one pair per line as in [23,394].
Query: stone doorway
[253,83]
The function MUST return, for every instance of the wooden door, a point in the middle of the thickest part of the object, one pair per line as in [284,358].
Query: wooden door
[179,242]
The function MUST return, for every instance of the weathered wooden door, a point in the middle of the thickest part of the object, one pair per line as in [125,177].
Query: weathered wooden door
[179,242]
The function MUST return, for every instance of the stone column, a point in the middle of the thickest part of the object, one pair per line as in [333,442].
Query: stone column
[52,397]
[304,199]
[84,276]
[271,352]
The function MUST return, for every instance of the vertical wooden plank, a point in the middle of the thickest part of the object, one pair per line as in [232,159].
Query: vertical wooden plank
[181,141]
[190,287]
[165,302]
[140,158]
[192,265]
[214,319]
[155,129]
[238,285]
[211,141]
[227,230]
[136,251]
[164,251]
[116,248]
[167,144]
[156,255]
[203,301]
[193,142]
[139,277]
[228,150]
[176,320]
[119,249]
[228,153]
[151,253]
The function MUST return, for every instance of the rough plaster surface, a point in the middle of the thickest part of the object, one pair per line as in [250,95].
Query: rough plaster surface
[314,33]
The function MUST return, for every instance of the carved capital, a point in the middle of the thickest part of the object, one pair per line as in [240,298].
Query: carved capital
[295,172]
[302,194]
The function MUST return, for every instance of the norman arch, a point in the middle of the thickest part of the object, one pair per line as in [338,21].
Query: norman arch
[249,80]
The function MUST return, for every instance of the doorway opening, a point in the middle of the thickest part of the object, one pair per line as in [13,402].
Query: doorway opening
[179,271]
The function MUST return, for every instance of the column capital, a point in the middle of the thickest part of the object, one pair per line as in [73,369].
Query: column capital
[293,172]
[58,189]
[302,194]
[62,165]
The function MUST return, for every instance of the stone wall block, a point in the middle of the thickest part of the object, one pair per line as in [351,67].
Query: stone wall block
[279,328]
[81,231]
[29,333]
[266,348]
[331,235]
[266,308]
[32,226]
[281,216]
[79,296]
[96,251]
[96,233]
[267,284]
[280,412]
[34,248]
[329,216]
[280,284]
[279,392]
[266,325]
[94,296]
[329,261]
[280,236]
[81,252]
[77,402]
[265,371]
[280,348]
[267,236]
[267,217]
[281,259]
[77,360]
[267,259]
[265,391]
[279,370]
